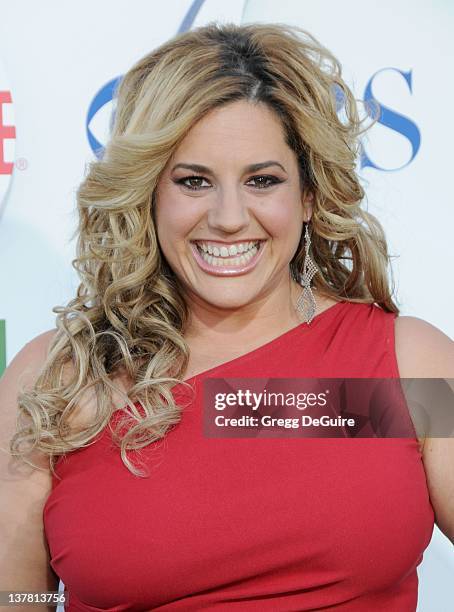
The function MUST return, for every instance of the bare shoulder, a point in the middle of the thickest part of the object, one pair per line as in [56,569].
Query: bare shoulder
[423,350]
[24,488]
[21,373]
[28,361]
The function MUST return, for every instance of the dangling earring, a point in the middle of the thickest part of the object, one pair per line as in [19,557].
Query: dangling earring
[306,303]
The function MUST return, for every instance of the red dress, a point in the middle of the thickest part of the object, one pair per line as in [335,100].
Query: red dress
[281,524]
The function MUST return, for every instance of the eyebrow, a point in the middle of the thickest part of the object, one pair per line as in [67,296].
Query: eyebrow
[250,168]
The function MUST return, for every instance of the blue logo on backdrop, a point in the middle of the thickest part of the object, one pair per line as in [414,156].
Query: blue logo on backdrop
[394,121]
[388,117]
[106,94]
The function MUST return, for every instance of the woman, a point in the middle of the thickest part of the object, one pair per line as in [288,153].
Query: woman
[221,236]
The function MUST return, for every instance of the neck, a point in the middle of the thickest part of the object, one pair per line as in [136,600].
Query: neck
[270,315]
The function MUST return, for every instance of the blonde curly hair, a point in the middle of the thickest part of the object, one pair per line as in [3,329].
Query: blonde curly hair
[129,313]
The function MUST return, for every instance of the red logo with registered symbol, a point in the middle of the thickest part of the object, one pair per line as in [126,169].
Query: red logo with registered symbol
[6,132]
[7,137]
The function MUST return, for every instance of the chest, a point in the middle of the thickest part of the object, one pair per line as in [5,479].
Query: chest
[202,358]
[223,515]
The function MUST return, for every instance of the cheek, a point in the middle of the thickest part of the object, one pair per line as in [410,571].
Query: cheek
[173,223]
[284,221]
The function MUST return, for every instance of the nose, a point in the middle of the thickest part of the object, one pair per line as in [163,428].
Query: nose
[229,213]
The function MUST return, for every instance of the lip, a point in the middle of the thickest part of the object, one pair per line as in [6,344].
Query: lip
[225,270]
[224,242]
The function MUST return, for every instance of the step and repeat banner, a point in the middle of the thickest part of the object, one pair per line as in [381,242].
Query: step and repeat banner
[60,63]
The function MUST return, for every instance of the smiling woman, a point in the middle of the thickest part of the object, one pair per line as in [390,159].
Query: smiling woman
[222,235]
[199,226]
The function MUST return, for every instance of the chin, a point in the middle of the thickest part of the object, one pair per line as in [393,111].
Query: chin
[224,301]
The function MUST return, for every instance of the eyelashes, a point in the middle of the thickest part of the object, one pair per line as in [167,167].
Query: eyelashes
[271,180]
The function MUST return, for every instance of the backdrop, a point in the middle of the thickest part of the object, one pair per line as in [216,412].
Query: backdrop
[59,62]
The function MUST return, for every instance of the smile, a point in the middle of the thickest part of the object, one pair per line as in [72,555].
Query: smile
[223,259]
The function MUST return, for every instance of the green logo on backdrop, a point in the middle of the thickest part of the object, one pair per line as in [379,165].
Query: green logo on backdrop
[2,345]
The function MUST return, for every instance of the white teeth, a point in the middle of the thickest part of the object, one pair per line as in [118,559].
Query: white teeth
[224,251]
[231,261]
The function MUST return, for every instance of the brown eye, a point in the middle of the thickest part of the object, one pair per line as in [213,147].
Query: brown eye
[194,182]
[265,181]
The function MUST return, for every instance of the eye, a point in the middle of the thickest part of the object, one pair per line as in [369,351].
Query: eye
[193,178]
[264,185]
[264,181]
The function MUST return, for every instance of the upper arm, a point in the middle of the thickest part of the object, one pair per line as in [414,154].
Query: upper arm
[423,351]
[24,557]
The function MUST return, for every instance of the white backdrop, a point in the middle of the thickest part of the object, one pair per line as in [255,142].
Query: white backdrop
[55,59]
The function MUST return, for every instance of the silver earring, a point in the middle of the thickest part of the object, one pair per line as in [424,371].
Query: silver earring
[306,303]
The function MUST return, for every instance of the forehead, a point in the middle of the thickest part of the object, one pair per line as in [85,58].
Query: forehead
[238,128]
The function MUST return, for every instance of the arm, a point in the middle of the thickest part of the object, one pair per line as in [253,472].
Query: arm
[24,556]
[423,351]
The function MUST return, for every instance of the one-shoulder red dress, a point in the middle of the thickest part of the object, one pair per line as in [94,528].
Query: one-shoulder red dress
[266,524]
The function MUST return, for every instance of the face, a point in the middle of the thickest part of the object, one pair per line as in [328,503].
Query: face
[228,229]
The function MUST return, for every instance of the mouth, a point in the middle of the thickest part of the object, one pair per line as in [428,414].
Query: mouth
[233,259]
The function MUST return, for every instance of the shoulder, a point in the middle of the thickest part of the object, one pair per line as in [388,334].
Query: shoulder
[24,488]
[26,364]
[34,350]
[21,373]
[422,350]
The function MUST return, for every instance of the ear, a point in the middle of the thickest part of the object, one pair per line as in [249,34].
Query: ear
[307,201]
